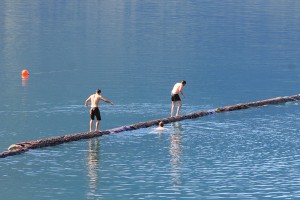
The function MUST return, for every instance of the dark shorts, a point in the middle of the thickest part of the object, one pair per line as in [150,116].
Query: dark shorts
[175,97]
[95,112]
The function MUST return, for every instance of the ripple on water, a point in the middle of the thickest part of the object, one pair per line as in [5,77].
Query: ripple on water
[244,155]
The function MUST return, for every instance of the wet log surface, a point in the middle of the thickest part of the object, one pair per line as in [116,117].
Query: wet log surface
[22,147]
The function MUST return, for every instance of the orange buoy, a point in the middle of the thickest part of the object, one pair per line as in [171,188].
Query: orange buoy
[25,73]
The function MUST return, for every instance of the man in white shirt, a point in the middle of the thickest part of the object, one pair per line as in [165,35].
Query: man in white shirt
[177,89]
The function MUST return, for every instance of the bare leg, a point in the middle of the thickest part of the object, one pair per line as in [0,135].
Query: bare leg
[179,108]
[97,125]
[172,108]
[91,125]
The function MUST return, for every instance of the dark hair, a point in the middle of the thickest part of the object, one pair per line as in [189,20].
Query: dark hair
[183,82]
[161,124]
[98,91]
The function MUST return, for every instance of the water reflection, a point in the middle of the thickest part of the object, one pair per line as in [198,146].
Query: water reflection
[175,152]
[93,163]
[24,97]
[24,81]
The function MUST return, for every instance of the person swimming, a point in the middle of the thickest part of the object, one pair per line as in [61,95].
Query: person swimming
[161,127]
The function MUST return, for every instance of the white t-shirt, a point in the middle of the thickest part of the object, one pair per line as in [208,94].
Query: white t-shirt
[176,88]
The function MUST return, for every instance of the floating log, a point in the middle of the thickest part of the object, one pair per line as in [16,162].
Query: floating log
[22,147]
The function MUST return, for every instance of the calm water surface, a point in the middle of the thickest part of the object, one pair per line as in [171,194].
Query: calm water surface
[229,52]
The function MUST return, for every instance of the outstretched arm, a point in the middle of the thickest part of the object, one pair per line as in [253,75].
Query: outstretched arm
[87,101]
[106,100]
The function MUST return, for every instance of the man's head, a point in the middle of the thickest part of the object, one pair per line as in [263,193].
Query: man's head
[98,91]
[183,82]
[161,124]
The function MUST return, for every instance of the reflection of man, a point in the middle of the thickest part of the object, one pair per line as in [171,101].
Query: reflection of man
[93,165]
[175,96]
[95,99]
[175,150]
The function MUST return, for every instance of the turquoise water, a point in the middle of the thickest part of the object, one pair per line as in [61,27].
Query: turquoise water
[228,52]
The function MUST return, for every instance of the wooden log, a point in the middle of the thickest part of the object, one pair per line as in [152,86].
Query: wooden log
[22,147]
